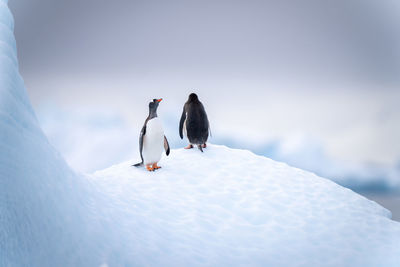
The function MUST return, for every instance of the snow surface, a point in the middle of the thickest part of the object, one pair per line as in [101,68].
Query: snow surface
[305,152]
[218,208]
[232,207]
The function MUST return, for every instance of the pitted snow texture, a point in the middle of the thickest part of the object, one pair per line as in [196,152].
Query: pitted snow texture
[231,207]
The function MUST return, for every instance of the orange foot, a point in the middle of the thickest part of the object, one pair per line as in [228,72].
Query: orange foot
[204,145]
[149,167]
[156,167]
[189,146]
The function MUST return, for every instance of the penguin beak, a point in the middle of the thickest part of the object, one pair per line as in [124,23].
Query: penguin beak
[159,100]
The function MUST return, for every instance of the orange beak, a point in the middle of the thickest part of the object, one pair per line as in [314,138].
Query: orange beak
[159,100]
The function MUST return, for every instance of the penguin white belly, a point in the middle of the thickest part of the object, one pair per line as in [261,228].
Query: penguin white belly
[153,142]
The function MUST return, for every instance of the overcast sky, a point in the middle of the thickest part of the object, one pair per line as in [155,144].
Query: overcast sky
[264,69]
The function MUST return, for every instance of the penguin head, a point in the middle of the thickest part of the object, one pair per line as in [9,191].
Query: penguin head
[154,105]
[193,97]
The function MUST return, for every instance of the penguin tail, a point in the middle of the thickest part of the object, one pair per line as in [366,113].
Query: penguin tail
[200,147]
[138,164]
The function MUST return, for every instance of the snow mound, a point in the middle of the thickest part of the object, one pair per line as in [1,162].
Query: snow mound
[218,208]
[232,207]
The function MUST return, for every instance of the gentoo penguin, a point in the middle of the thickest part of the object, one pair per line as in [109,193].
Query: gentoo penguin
[194,123]
[152,140]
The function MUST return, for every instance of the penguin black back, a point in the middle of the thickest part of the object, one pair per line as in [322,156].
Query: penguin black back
[194,119]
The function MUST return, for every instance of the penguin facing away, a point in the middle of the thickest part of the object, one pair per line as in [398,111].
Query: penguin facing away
[152,140]
[194,123]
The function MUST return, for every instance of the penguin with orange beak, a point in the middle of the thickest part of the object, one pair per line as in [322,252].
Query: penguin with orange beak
[152,140]
[194,123]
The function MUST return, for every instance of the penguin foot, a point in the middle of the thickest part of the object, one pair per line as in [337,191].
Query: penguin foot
[156,167]
[204,145]
[150,168]
[189,146]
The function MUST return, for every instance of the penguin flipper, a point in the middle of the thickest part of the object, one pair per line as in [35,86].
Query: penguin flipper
[181,122]
[166,146]
[141,137]
[138,164]
[208,122]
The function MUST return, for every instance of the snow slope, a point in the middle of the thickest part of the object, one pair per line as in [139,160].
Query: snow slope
[221,207]
[302,151]
[232,207]
[43,217]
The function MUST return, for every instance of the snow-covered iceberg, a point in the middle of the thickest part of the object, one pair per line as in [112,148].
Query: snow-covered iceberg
[231,207]
[43,204]
[218,208]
